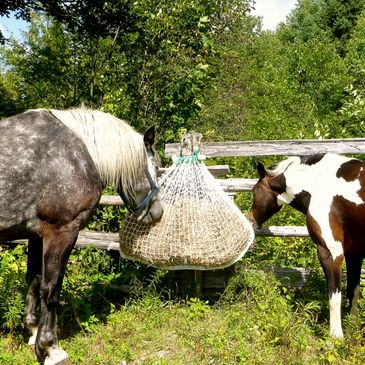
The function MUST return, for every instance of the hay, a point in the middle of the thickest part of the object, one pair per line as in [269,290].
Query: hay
[201,228]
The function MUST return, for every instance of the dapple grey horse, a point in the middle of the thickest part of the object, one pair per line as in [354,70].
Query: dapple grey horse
[53,167]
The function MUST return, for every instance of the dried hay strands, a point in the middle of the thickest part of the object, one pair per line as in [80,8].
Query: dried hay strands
[201,227]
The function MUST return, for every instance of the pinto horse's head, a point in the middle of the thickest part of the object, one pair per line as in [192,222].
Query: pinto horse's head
[266,196]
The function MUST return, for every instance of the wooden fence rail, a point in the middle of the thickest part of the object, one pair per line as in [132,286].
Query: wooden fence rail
[276,148]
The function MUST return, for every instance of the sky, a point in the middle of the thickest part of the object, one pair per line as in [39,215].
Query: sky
[272,11]
[11,26]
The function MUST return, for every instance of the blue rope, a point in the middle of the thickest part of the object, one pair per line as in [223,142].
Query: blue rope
[187,159]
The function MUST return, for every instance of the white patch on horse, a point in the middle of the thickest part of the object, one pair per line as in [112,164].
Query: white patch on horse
[285,198]
[335,315]
[320,180]
[56,356]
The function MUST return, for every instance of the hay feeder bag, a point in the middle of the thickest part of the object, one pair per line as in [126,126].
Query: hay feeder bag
[201,227]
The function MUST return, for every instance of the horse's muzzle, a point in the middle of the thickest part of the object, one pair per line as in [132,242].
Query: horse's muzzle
[151,213]
[250,217]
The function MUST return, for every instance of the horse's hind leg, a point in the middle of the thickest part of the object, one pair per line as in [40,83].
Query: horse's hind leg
[332,270]
[57,245]
[353,269]
[33,277]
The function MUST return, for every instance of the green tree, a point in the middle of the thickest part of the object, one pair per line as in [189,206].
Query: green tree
[275,85]
[352,112]
[154,72]
[341,16]
[319,71]
[355,54]
[166,69]
[8,103]
[38,66]
[336,18]
[45,74]
[304,22]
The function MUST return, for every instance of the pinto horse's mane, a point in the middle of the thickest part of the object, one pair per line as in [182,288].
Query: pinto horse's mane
[115,147]
[282,166]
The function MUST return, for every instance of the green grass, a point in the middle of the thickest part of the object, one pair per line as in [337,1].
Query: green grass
[255,321]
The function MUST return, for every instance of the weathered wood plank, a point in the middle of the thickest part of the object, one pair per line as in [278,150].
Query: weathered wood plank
[111,200]
[282,231]
[291,277]
[218,170]
[230,185]
[237,185]
[102,240]
[276,147]
[110,241]
[215,170]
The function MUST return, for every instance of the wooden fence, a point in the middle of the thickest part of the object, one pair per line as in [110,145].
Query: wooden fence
[235,185]
[356,146]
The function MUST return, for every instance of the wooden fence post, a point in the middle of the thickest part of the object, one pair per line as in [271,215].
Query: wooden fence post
[191,279]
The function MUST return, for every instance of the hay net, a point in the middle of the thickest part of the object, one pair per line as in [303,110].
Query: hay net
[201,227]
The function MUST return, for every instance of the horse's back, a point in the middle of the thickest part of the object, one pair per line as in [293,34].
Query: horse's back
[44,171]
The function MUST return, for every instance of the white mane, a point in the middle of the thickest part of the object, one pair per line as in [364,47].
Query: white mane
[115,147]
[282,166]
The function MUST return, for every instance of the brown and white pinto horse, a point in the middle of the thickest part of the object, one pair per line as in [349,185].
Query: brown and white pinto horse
[330,190]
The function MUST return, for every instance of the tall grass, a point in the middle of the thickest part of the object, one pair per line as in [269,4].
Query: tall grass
[255,321]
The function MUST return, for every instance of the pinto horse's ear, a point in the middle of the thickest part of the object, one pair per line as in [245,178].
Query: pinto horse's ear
[261,170]
[149,137]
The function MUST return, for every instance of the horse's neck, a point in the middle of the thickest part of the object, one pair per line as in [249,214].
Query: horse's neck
[301,202]
[300,186]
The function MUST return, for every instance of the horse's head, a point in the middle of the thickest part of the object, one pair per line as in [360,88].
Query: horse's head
[145,204]
[266,196]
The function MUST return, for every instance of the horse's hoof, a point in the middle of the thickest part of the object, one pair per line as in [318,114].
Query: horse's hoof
[64,362]
[33,337]
[61,362]
[57,357]
[31,341]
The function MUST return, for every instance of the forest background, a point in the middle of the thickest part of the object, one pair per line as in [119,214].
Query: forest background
[180,65]
[203,65]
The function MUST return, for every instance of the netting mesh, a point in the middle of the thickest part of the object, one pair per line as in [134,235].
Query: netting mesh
[201,227]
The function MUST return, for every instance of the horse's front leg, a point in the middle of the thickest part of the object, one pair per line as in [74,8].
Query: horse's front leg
[57,245]
[33,277]
[332,268]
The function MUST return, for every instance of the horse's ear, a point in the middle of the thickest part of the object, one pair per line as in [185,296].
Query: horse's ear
[149,137]
[261,170]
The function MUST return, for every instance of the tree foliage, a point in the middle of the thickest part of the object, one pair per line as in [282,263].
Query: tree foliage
[203,64]
[154,72]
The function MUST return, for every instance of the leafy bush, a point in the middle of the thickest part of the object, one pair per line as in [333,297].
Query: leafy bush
[12,287]
[98,282]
